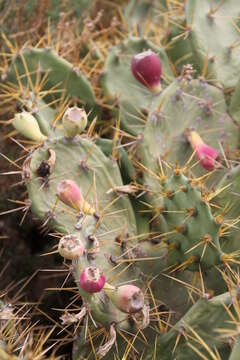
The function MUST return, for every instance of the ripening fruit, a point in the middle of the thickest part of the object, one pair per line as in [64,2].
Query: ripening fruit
[92,280]
[147,69]
[127,298]
[205,154]
[70,194]
[26,124]
[70,247]
[74,121]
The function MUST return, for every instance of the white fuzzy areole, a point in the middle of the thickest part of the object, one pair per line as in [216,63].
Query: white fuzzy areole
[143,54]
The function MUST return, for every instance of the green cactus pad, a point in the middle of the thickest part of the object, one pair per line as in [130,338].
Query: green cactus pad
[229,196]
[62,76]
[82,161]
[214,35]
[202,321]
[234,107]
[228,200]
[185,221]
[139,13]
[188,105]
[236,350]
[127,169]
[178,46]
[73,154]
[119,83]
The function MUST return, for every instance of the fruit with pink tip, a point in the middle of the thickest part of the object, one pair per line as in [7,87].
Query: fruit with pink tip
[205,154]
[70,194]
[127,298]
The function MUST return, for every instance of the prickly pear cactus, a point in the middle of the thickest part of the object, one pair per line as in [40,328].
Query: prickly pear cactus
[85,202]
[143,200]
[105,225]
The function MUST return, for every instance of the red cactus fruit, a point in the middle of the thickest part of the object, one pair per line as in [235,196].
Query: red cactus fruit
[147,69]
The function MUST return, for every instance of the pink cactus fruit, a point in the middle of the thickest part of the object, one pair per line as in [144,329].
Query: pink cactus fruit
[127,298]
[92,279]
[205,154]
[70,194]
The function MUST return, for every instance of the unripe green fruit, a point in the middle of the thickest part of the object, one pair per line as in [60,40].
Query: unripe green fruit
[74,121]
[26,124]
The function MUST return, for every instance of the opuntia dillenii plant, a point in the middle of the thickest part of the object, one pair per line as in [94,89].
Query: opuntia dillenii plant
[147,223]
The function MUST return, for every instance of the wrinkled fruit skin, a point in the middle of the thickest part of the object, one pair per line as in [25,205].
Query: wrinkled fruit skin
[92,280]
[70,247]
[147,69]
[131,299]
[128,298]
